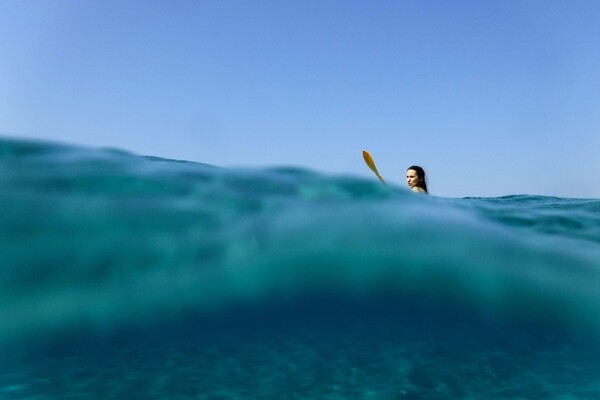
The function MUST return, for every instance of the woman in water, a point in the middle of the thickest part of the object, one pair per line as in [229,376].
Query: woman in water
[415,177]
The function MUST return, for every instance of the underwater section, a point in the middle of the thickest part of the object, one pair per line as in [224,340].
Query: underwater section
[127,276]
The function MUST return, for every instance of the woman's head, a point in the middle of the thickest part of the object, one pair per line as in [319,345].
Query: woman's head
[415,177]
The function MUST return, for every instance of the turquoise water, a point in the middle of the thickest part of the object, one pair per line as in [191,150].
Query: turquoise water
[124,276]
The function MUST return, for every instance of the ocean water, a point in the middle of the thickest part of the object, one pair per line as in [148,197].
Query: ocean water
[131,277]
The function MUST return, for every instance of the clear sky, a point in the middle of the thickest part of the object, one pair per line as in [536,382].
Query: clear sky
[490,97]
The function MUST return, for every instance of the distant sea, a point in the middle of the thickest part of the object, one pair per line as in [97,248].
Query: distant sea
[133,277]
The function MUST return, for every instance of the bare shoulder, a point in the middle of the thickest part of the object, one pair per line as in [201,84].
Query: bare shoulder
[418,189]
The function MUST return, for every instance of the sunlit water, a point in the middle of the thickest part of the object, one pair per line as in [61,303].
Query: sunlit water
[130,277]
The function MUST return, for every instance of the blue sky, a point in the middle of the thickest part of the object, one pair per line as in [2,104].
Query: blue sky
[490,97]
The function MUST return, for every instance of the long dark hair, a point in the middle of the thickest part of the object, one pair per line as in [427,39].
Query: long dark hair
[421,175]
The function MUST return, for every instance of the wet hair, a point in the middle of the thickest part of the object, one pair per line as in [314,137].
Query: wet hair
[421,175]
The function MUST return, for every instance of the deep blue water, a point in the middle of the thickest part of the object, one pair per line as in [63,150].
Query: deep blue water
[124,276]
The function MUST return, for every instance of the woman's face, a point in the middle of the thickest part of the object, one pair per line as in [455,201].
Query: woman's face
[411,178]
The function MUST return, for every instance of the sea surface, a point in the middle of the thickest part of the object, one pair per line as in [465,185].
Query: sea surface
[133,277]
